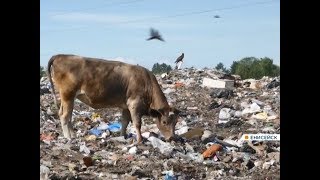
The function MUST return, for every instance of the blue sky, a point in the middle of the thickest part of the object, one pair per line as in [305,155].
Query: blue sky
[118,29]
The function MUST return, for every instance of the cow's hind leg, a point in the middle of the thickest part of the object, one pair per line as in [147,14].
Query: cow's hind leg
[65,113]
[126,118]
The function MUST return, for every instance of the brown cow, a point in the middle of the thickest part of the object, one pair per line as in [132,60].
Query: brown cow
[102,83]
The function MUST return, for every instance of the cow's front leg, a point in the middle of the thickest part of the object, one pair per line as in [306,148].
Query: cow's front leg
[136,121]
[126,118]
[136,108]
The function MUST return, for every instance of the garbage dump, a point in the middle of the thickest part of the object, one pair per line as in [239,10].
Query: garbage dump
[216,114]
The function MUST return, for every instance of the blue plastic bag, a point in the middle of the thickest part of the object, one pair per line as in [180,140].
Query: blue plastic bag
[95,132]
[114,127]
[169,176]
[103,126]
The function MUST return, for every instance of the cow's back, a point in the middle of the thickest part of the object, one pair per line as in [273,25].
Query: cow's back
[104,83]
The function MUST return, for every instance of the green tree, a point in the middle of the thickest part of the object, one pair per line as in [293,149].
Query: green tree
[233,67]
[256,70]
[220,66]
[251,67]
[161,68]
[266,65]
[42,72]
[275,70]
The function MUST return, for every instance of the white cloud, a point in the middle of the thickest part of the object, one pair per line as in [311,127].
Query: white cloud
[141,21]
[126,60]
[90,17]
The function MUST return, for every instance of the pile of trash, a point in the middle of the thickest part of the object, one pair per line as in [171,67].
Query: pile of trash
[217,111]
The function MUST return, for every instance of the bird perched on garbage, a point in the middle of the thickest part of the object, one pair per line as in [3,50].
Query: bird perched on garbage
[154,34]
[179,61]
[180,58]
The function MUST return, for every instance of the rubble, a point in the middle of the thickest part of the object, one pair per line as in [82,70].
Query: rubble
[212,150]
[216,110]
[228,84]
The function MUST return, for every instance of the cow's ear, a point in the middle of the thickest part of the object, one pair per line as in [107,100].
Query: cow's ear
[174,110]
[154,113]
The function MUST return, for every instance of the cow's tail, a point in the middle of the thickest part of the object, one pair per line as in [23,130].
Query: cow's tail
[49,76]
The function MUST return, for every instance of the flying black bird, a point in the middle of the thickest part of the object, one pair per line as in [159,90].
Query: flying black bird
[180,58]
[217,16]
[154,34]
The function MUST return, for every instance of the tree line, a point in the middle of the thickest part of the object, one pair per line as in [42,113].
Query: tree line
[248,67]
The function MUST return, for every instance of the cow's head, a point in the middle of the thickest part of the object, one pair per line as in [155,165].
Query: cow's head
[166,121]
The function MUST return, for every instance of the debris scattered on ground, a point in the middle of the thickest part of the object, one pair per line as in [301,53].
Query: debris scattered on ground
[216,110]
